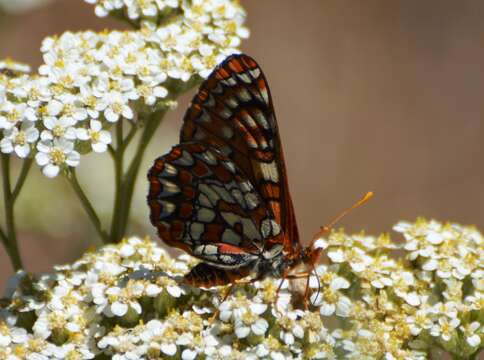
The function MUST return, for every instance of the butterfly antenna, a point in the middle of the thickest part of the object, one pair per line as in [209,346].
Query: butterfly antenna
[326,228]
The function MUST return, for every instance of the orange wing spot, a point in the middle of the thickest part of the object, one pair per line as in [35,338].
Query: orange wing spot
[235,65]
[202,95]
[158,165]
[185,177]
[261,84]
[266,156]
[186,210]
[175,153]
[230,249]
[155,187]
[176,230]
[189,192]
[155,210]
[222,174]
[200,169]
[249,139]
[222,74]
[250,63]
[276,210]
[212,233]
[273,190]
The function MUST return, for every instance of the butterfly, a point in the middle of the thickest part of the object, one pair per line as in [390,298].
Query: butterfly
[222,193]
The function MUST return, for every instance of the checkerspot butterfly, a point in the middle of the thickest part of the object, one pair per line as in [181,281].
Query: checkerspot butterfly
[221,194]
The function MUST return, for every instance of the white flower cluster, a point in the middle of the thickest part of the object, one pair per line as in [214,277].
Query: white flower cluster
[90,81]
[436,292]
[126,301]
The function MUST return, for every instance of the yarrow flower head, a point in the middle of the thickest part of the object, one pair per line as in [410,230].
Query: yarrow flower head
[127,301]
[91,81]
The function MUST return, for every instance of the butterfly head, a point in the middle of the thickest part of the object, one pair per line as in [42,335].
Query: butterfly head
[272,262]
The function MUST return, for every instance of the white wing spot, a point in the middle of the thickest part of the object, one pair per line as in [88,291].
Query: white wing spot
[243,95]
[204,117]
[269,227]
[227,132]
[205,215]
[229,82]
[218,89]
[230,218]
[249,229]
[265,95]
[168,208]
[269,171]
[261,119]
[208,157]
[230,166]
[212,196]
[232,102]
[226,113]
[209,250]
[230,237]
[169,187]
[169,170]
[186,159]
[204,201]
[223,193]
[210,101]
[249,120]
[255,73]
[245,78]
[196,229]
[252,201]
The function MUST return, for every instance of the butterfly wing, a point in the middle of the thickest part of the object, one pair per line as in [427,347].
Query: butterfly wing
[202,203]
[233,112]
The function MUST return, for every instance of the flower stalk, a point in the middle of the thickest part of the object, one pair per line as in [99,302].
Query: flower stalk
[86,204]
[9,237]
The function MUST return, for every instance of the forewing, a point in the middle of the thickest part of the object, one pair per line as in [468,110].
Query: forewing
[202,203]
[233,111]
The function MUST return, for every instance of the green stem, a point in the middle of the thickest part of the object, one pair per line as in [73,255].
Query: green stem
[118,173]
[3,236]
[130,136]
[129,181]
[9,201]
[22,177]
[87,205]
[123,206]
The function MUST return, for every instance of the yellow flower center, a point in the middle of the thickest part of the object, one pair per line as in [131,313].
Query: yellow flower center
[36,345]
[4,329]
[94,135]
[68,110]
[57,155]
[117,108]
[58,131]
[330,296]
[56,320]
[13,116]
[20,138]
[249,318]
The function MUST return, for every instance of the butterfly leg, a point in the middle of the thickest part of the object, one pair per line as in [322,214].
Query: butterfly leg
[301,275]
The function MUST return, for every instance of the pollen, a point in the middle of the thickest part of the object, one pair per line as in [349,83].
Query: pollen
[94,135]
[58,156]
[20,138]
[58,131]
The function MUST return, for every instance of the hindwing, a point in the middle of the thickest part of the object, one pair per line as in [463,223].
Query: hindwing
[201,202]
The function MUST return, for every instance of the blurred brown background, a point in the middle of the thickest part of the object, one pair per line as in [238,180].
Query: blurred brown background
[370,95]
